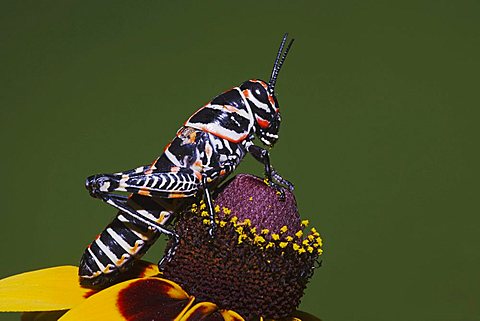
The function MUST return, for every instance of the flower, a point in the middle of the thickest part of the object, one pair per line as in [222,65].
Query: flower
[255,267]
[146,297]
[259,261]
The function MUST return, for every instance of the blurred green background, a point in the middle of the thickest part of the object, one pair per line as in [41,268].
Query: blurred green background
[380,131]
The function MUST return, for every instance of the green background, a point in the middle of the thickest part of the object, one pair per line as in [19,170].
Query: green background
[380,131]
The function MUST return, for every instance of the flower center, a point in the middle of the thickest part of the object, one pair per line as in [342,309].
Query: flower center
[259,261]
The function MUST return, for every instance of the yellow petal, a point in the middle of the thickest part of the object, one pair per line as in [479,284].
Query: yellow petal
[229,315]
[138,299]
[205,311]
[42,316]
[139,269]
[56,288]
[42,290]
[199,311]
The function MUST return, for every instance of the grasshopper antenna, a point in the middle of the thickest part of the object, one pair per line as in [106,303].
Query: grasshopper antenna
[279,62]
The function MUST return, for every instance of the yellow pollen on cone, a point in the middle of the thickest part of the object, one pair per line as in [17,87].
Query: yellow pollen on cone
[226,211]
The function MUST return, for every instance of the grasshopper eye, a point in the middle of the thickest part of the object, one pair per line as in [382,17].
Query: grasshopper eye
[260,93]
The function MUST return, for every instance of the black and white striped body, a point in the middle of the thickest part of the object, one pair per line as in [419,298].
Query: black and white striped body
[210,145]
[175,174]
[122,241]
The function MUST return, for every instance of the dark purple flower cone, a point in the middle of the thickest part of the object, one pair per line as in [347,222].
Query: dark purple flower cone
[258,262]
[249,197]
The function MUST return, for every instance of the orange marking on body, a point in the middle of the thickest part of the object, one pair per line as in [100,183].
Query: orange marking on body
[230,108]
[208,150]
[262,122]
[277,110]
[134,249]
[176,195]
[161,218]
[174,169]
[198,175]
[166,146]
[152,165]
[144,192]
[270,99]
[120,262]
[192,137]
[230,139]
[222,172]
[149,171]
[197,166]
[242,138]
[246,93]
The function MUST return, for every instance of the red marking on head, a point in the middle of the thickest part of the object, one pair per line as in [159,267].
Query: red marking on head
[262,122]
